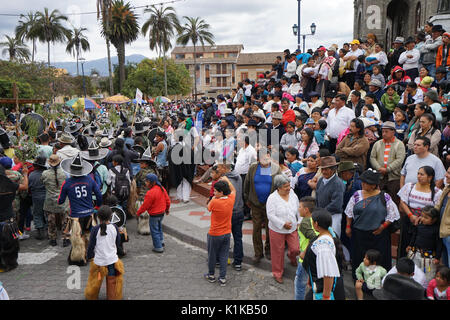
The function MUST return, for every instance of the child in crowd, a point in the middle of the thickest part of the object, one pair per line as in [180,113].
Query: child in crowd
[425,247]
[361,69]
[390,98]
[400,124]
[369,274]
[320,134]
[316,114]
[215,175]
[306,233]
[377,75]
[439,287]
[425,84]
[292,160]
[103,248]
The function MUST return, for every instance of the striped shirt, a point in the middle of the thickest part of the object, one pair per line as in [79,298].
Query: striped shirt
[387,150]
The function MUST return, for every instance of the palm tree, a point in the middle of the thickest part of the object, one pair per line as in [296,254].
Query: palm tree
[161,26]
[77,43]
[16,49]
[26,30]
[123,29]
[194,30]
[104,9]
[49,28]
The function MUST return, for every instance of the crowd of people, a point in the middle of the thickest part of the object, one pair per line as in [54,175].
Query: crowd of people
[333,152]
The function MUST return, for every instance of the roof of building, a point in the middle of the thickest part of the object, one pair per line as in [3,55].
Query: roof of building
[258,58]
[216,48]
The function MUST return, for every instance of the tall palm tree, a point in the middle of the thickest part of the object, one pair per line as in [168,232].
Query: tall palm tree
[49,28]
[194,30]
[161,27]
[123,29]
[104,9]
[16,49]
[26,30]
[77,42]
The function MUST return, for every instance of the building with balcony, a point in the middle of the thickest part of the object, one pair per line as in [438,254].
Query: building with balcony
[250,65]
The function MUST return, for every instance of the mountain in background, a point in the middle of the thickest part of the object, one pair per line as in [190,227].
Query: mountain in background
[101,65]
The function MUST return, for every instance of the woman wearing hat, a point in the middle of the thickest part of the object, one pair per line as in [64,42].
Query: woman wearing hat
[53,178]
[37,190]
[369,214]
[354,146]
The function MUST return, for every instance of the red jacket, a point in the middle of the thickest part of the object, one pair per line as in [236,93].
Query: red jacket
[156,201]
[288,116]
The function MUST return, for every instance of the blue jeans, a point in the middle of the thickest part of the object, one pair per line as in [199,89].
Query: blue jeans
[301,279]
[39,218]
[218,248]
[236,229]
[156,231]
[446,251]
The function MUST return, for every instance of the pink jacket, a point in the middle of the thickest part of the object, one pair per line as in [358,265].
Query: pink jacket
[430,290]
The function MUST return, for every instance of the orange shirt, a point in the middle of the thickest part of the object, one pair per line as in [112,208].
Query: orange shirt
[221,213]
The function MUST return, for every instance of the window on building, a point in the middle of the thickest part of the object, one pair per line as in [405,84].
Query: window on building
[199,55]
[224,81]
[219,55]
[219,82]
[180,56]
[233,73]
[232,54]
[418,16]
[197,74]
[224,68]
[244,75]
[207,78]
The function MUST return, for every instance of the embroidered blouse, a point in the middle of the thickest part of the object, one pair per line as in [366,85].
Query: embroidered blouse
[392,210]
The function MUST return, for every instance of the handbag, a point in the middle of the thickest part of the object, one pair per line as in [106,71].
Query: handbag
[319,295]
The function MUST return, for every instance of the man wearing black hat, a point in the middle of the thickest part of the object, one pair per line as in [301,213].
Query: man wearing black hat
[37,190]
[430,48]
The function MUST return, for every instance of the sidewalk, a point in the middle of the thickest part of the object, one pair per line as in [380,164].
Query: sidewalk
[190,223]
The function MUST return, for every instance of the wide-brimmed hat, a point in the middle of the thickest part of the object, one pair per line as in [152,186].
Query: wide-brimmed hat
[399,40]
[399,287]
[106,133]
[277,115]
[66,138]
[54,160]
[346,166]
[259,114]
[433,95]
[388,125]
[76,166]
[370,176]
[73,127]
[138,126]
[252,122]
[437,28]
[94,152]
[328,162]
[228,111]
[40,161]
[105,142]
[147,156]
[91,129]
[375,83]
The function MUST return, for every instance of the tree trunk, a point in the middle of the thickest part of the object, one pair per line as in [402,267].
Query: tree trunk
[121,58]
[48,48]
[165,75]
[78,69]
[108,49]
[195,73]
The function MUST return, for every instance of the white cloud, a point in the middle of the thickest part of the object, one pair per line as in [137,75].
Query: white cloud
[260,25]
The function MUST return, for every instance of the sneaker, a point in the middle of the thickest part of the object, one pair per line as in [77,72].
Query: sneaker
[222,282]
[52,243]
[237,267]
[210,277]
[158,250]
[66,242]
[24,236]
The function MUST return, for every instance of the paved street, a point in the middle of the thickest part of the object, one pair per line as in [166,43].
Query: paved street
[175,274]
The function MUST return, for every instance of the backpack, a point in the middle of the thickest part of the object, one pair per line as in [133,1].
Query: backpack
[96,176]
[121,184]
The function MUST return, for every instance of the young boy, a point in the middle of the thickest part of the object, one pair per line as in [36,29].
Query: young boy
[390,98]
[369,274]
[306,234]
[215,175]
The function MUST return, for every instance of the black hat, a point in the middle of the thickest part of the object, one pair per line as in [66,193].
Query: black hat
[106,133]
[370,176]
[437,28]
[399,287]
[252,123]
[91,129]
[147,156]
[40,161]
[94,152]
[73,127]
[76,166]
[314,94]
[409,40]
[138,126]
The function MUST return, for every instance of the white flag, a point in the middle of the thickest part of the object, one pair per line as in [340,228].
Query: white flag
[138,96]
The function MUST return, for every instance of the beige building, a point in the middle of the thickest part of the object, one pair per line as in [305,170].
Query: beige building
[216,66]
[250,65]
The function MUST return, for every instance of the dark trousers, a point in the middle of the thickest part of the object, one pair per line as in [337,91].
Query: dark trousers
[333,143]
[350,79]
[392,188]
[259,217]
[236,229]
[246,208]
[218,248]
[25,215]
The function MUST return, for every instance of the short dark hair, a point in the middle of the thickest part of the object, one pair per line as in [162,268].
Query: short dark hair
[444,272]
[309,203]
[426,141]
[322,124]
[44,137]
[118,159]
[374,256]
[342,97]
[223,187]
[293,151]
[405,265]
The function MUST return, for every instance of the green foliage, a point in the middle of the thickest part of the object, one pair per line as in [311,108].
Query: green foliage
[6,89]
[151,82]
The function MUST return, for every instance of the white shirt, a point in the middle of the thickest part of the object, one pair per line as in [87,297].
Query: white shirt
[413,163]
[291,68]
[336,123]
[356,53]
[380,56]
[245,157]
[418,276]
[410,63]
[294,89]
[279,212]
[221,108]
[325,251]
[418,97]
[105,247]
[111,180]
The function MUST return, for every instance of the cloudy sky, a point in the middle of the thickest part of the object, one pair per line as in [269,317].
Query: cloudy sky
[260,25]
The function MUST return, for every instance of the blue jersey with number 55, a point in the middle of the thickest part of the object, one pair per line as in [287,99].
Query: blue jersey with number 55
[79,191]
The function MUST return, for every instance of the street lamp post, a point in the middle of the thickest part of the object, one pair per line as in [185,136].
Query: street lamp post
[82,72]
[298,21]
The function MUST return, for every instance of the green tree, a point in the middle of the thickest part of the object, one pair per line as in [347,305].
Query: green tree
[26,30]
[161,27]
[194,30]
[129,67]
[123,29]
[49,28]
[148,76]
[15,49]
[104,10]
[77,42]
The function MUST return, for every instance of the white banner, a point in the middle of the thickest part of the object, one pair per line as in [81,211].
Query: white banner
[138,96]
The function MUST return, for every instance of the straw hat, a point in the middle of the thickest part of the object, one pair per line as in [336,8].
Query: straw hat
[54,160]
